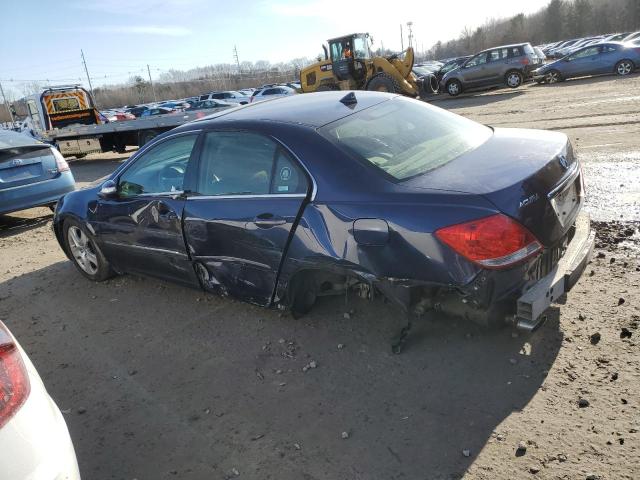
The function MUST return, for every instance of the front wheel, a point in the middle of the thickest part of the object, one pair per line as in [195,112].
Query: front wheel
[85,254]
[552,76]
[454,87]
[383,82]
[624,67]
[514,79]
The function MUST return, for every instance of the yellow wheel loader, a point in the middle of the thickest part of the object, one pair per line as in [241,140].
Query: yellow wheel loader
[349,65]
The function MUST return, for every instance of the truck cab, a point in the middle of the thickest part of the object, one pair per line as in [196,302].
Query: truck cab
[60,106]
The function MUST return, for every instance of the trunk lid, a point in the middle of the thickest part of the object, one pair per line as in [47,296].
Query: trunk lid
[530,175]
[27,164]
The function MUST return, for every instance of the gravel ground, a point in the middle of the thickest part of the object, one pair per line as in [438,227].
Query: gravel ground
[157,381]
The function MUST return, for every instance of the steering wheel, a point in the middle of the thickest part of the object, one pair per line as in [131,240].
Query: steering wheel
[170,178]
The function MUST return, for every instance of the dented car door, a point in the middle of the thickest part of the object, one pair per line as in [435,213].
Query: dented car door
[250,192]
[140,228]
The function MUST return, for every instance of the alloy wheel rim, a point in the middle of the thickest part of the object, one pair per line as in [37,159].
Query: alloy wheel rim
[552,77]
[82,250]
[514,80]
[453,88]
[624,68]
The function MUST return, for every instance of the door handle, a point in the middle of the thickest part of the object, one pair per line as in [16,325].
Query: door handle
[268,220]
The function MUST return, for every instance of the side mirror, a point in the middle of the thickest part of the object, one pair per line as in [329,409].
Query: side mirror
[109,189]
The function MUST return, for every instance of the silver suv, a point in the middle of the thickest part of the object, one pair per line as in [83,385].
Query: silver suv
[508,65]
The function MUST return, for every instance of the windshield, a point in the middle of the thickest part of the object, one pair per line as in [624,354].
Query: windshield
[404,138]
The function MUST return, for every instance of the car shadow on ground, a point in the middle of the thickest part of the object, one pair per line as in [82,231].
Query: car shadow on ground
[573,82]
[12,224]
[476,99]
[159,381]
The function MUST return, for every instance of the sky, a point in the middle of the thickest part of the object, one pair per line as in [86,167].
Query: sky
[41,40]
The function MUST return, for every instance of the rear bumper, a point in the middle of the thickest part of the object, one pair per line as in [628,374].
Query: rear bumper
[36,194]
[532,304]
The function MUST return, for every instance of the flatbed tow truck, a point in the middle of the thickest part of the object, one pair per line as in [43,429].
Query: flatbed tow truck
[66,116]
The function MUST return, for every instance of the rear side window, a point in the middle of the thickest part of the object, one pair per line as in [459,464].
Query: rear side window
[404,138]
[244,163]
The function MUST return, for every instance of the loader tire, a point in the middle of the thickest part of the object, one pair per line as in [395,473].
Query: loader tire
[383,82]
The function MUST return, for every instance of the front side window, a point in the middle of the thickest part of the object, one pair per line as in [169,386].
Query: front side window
[404,138]
[243,163]
[477,60]
[360,47]
[587,52]
[159,170]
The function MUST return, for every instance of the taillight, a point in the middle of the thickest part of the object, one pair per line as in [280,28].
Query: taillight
[493,242]
[524,61]
[61,163]
[14,381]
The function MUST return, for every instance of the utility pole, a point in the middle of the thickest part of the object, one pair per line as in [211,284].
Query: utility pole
[409,25]
[235,55]
[88,78]
[401,39]
[7,106]
[153,90]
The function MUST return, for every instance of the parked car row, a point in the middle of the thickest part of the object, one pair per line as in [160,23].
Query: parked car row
[217,99]
[508,65]
[512,65]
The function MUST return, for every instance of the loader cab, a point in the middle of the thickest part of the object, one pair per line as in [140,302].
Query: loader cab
[349,55]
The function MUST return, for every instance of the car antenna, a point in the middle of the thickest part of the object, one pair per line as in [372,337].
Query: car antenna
[349,99]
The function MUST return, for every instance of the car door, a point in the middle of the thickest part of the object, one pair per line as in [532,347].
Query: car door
[250,192]
[583,62]
[140,227]
[494,67]
[474,71]
[608,57]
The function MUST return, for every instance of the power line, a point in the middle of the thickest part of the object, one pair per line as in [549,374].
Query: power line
[153,90]
[84,62]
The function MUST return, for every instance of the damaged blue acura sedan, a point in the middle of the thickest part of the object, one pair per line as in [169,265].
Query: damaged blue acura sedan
[280,202]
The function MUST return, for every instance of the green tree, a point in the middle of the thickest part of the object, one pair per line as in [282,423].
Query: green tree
[554,20]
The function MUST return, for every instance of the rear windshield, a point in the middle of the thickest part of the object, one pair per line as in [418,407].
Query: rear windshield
[405,138]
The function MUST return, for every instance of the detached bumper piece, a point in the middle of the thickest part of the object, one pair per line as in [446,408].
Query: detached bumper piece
[532,305]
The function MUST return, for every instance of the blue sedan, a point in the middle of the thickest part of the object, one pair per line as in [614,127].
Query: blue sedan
[32,173]
[280,202]
[601,58]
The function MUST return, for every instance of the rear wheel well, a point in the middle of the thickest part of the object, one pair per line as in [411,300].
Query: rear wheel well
[306,286]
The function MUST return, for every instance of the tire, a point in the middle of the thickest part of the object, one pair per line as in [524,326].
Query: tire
[624,67]
[383,82]
[146,136]
[553,76]
[454,87]
[513,79]
[84,253]
[304,293]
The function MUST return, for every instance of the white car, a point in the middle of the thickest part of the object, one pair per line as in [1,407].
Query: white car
[34,440]
[272,92]
[229,96]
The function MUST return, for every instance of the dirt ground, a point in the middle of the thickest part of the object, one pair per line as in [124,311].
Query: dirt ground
[157,381]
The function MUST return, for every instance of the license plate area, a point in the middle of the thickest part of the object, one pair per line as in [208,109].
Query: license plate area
[566,202]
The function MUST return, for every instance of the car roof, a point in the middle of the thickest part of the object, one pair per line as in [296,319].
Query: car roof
[311,109]
[505,46]
[11,139]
